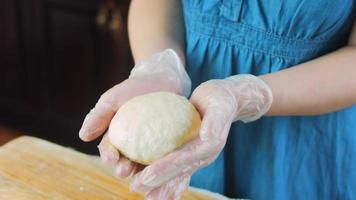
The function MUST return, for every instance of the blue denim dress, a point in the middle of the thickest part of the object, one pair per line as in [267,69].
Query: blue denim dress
[287,157]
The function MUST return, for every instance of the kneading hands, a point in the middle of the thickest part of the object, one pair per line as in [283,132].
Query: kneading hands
[219,102]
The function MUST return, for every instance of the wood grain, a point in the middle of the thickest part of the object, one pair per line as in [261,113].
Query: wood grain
[31,168]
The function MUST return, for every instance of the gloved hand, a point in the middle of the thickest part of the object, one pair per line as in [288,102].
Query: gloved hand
[220,102]
[161,72]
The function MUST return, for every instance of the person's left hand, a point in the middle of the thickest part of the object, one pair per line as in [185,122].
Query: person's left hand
[220,102]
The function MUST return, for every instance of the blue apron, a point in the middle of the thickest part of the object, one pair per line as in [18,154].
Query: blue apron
[303,157]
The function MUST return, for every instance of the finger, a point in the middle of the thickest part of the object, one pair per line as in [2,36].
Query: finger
[215,124]
[180,188]
[217,113]
[108,153]
[124,167]
[98,119]
[191,156]
[172,190]
[188,159]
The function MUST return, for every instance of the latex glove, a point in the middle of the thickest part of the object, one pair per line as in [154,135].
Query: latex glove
[220,102]
[161,72]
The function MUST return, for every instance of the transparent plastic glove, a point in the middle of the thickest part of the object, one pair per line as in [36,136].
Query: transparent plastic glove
[161,72]
[220,102]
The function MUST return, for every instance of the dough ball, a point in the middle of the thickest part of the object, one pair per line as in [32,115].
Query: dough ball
[150,126]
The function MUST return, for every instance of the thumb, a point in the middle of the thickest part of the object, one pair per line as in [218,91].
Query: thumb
[215,124]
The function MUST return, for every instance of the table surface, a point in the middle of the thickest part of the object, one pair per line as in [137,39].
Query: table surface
[32,168]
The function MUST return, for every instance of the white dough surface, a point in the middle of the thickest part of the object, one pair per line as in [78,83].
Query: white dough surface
[150,126]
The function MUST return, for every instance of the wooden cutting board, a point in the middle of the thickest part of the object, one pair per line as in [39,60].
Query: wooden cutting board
[35,169]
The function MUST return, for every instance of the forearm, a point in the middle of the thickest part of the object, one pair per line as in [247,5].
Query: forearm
[155,25]
[319,86]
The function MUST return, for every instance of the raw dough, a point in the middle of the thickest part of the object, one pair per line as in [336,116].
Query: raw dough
[150,126]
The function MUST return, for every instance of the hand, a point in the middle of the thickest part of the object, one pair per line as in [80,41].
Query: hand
[220,102]
[161,72]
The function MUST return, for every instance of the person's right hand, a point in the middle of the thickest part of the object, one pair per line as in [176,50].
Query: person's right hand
[161,72]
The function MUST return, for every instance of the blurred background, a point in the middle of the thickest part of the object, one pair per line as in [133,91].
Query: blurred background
[56,58]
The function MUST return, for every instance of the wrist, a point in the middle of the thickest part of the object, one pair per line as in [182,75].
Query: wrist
[160,45]
[167,65]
